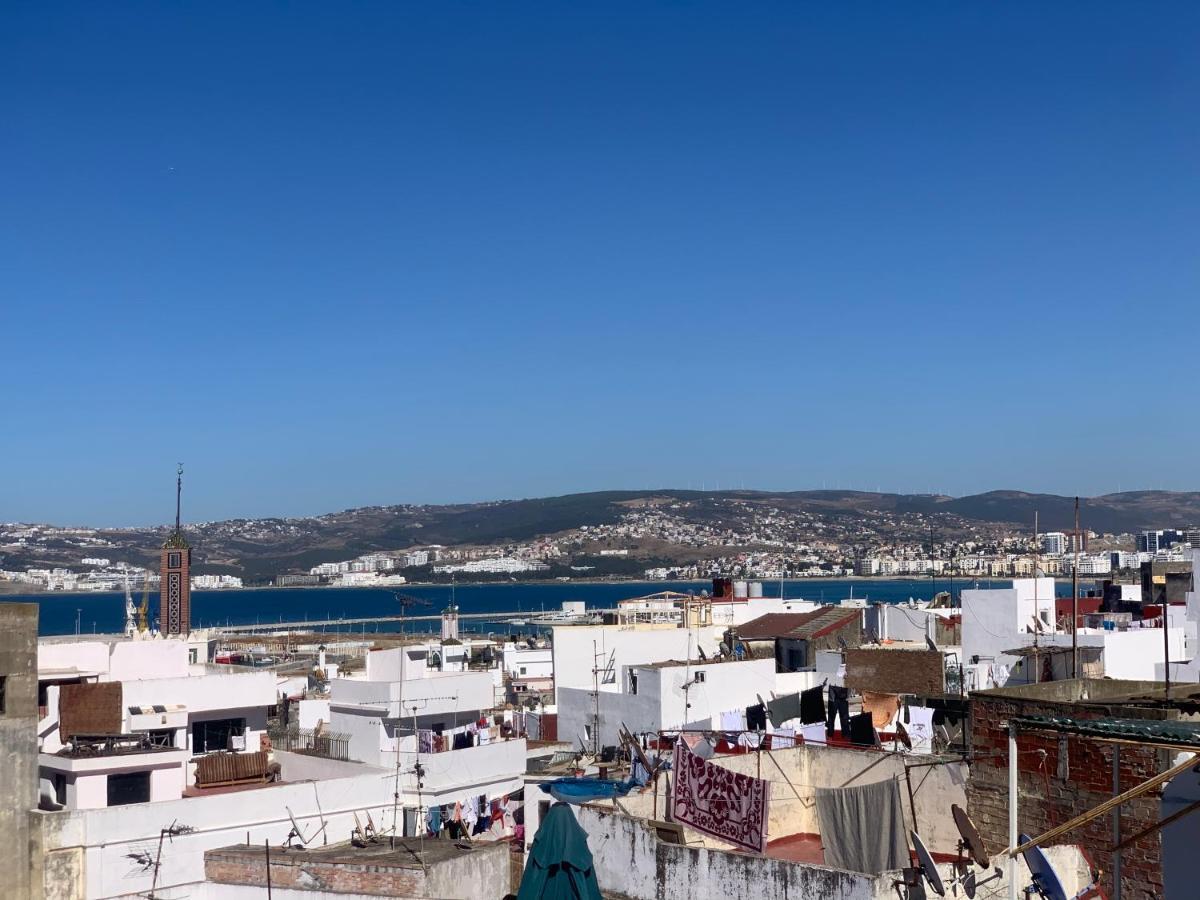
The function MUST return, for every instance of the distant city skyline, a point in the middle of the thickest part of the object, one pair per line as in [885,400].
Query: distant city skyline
[341,257]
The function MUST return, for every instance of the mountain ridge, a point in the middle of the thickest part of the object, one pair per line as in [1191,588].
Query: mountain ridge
[265,546]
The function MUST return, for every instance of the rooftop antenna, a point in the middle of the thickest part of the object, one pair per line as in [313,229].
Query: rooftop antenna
[171,831]
[1037,615]
[1075,599]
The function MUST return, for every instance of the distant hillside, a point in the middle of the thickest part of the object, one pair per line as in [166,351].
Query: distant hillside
[261,548]
[1113,513]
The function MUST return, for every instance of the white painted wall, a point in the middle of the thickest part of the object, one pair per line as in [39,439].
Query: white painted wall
[1136,654]
[659,701]
[579,648]
[436,693]
[203,693]
[107,835]
[91,791]
[310,712]
[999,619]
[117,660]
[537,663]
[726,614]
[830,666]
[895,622]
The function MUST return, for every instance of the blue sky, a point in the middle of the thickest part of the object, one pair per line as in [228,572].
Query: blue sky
[340,255]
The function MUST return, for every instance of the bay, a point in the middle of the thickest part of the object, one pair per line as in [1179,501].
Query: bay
[104,613]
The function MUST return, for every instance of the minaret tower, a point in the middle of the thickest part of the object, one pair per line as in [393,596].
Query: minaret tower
[175,590]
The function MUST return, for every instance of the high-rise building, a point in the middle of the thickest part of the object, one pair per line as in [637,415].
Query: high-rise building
[1147,541]
[1054,543]
[175,588]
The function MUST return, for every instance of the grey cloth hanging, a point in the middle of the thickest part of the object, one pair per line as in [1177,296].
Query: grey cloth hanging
[784,709]
[862,828]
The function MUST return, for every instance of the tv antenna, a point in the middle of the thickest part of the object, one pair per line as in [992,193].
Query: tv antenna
[171,831]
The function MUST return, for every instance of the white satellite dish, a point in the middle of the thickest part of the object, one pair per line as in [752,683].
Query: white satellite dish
[297,832]
[928,867]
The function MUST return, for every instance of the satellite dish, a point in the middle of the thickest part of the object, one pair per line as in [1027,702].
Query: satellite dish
[968,884]
[971,841]
[930,644]
[927,865]
[298,832]
[1045,880]
[902,736]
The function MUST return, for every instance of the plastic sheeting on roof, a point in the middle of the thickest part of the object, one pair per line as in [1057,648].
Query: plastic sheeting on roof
[1151,731]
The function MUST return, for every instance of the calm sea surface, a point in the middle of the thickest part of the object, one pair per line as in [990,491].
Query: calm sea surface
[105,613]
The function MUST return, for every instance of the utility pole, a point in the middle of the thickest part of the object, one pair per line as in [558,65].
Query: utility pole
[1166,606]
[1037,616]
[1075,599]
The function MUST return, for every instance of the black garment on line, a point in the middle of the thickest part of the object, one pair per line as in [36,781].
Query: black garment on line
[756,717]
[839,710]
[462,740]
[812,706]
[862,730]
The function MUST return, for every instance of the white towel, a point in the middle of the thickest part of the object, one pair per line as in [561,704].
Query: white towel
[814,733]
[920,728]
[782,737]
[735,720]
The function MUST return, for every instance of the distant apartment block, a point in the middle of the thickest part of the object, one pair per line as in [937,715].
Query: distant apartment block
[1054,543]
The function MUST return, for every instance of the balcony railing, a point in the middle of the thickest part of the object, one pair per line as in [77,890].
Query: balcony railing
[326,744]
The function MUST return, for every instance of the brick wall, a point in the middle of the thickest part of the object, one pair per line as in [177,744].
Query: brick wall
[295,871]
[1061,777]
[895,671]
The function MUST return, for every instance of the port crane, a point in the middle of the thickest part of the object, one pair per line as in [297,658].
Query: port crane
[144,610]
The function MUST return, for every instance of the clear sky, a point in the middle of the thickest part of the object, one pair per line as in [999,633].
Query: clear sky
[332,255]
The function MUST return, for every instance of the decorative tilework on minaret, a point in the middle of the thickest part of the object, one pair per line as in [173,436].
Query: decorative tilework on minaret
[175,590]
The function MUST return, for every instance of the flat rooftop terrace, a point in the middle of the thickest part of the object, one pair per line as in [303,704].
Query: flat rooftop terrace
[408,853]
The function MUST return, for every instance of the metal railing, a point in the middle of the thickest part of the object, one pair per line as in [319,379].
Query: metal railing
[327,744]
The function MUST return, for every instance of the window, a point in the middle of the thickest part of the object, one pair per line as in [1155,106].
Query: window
[3,685]
[522,670]
[633,682]
[216,734]
[60,788]
[193,655]
[128,787]
[700,677]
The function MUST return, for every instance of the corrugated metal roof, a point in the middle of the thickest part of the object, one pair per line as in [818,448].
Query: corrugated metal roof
[1150,731]
[815,623]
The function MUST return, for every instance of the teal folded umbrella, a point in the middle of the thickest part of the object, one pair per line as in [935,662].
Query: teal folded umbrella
[560,864]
